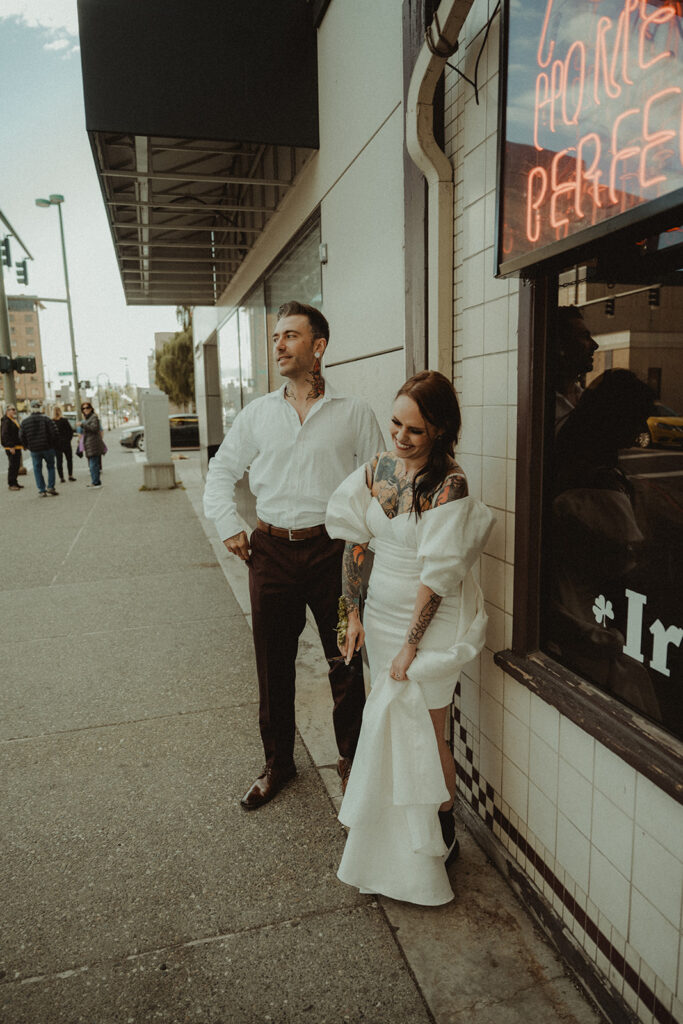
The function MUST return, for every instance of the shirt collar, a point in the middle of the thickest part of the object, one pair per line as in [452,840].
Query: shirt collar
[330,392]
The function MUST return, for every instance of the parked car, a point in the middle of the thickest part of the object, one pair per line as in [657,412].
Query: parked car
[131,435]
[664,429]
[184,430]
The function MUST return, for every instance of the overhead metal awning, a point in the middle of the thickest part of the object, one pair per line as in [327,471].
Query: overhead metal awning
[199,122]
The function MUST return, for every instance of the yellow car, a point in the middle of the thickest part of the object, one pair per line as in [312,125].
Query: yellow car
[664,429]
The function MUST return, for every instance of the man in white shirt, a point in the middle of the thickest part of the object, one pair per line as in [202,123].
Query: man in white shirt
[300,442]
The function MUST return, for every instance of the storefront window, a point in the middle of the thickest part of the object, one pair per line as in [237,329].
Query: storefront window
[299,277]
[253,346]
[229,356]
[613,548]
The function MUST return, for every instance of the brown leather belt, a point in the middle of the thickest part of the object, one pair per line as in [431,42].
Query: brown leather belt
[304,534]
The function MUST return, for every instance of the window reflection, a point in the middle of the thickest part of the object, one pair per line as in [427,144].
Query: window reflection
[614,560]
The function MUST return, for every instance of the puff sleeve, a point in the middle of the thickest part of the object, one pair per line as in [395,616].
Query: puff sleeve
[347,509]
[450,538]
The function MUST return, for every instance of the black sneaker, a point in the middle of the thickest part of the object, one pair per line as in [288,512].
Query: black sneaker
[52,491]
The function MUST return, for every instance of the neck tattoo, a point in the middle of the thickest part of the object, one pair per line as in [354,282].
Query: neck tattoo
[317,384]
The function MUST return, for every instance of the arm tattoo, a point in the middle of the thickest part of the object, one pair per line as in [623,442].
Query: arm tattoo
[425,616]
[453,487]
[352,570]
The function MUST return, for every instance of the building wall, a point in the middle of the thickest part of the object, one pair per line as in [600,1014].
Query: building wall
[599,842]
[25,341]
[356,179]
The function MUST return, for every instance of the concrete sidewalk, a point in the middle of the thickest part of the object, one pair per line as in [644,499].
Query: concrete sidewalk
[134,886]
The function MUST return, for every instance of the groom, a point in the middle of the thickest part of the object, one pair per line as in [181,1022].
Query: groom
[300,442]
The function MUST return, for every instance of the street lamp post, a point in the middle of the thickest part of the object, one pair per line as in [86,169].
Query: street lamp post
[57,200]
[107,394]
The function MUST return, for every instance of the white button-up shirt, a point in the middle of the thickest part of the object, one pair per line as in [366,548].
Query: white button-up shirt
[295,467]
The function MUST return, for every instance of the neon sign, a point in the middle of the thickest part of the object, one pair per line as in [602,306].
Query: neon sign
[593,126]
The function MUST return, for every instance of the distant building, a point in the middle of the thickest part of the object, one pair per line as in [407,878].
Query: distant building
[25,341]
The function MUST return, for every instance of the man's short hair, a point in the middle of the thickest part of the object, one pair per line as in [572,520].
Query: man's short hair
[36,405]
[319,325]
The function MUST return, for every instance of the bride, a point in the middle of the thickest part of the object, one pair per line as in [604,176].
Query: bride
[424,619]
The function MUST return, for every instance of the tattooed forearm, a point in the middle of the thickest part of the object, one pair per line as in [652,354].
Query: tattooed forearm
[352,569]
[424,617]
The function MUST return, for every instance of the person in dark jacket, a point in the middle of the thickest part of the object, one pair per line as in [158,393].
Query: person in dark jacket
[39,434]
[64,447]
[9,438]
[93,445]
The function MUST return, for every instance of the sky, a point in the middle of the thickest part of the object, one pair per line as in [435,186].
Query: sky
[44,149]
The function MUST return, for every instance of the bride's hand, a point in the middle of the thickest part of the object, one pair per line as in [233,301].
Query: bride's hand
[402,662]
[355,636]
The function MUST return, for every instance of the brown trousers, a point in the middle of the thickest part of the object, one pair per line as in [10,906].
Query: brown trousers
[284,577]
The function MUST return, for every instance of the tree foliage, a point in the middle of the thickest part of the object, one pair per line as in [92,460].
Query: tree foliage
[175,364]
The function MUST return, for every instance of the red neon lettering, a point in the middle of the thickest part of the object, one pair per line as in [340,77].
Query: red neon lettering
[658,17]
[541,80]
[558,189]
[611,87]
[551,46]
[592,174]
[556,89]
[533,218]
[653,139]
[620,154]
[621,43]
[581,50]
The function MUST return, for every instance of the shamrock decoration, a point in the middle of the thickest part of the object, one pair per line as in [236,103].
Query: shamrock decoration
[602,610]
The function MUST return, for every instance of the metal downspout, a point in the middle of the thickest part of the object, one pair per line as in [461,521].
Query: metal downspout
[438,171]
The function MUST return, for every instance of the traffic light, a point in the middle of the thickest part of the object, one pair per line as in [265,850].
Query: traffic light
[24,364]
[6,254]
[22,272]
[5,364]
[84,385]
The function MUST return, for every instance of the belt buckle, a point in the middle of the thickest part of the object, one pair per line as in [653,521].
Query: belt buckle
[290,532]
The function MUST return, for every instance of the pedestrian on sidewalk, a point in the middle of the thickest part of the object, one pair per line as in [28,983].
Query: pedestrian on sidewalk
[93,443]
[11,442]
[39,434]
[65,431]
[300,441]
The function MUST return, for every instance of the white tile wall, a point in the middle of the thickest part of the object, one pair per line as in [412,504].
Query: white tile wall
[542,817]
[573,851]
[655,938]
[577,748]
[615,779]
[575,797]
[543,766]
[545,721]
[612,833]
[515,788]
[658,875]
[612,837]
[517,700]
[516,742]
[494,430]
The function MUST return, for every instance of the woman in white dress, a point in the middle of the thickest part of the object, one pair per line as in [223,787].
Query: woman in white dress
[424,619]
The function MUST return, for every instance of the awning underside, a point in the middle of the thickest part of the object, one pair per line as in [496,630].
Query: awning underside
[184,213]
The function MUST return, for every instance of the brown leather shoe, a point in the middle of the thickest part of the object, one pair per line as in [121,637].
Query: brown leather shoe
[269,783]
[343,771]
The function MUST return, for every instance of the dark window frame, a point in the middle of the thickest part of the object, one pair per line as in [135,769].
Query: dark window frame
[649,749]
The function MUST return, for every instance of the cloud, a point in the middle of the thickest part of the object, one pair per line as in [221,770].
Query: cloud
[58,44]
[59,16]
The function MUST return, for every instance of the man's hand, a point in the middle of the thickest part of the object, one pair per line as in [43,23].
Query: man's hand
[238,545]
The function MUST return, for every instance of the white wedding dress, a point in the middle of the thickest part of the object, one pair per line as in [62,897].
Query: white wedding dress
[394,845]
